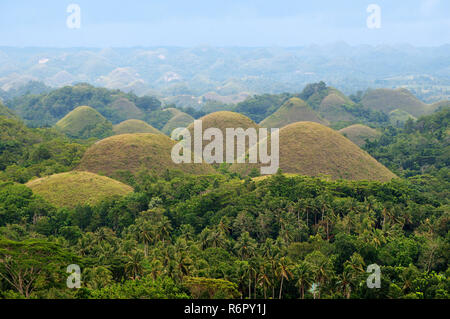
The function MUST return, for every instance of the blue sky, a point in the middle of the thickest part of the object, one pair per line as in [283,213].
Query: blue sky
[115,23]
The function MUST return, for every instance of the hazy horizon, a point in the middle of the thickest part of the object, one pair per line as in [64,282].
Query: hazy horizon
[245,23]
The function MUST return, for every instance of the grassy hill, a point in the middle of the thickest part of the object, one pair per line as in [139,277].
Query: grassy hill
[134,126]
[84,122]
[223,120]
[359,133]
[294,110]
[331,107]
[77,188]
[399,117]
[387,100]
[181,119]
[161,117]
[49,107]
[125,109]
[131,152]
[313,149]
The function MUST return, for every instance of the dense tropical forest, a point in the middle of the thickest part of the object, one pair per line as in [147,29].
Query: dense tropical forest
[221,234]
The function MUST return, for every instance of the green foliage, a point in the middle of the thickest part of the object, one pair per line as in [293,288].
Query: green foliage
[47,108]
[259,107]
[145,288]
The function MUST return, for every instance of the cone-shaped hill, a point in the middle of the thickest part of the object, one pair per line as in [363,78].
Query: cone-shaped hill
[180,119]
[223,120]
[84,122]
[399,117]
[359,133]
[313,149]
[131,152]
[387,100]
[73,188]
[134,126]
[331,107]
[293,110]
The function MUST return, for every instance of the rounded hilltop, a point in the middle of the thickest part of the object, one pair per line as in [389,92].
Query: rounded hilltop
[312,149]
[179,119]
[84,122]
[359,133]
[134,126]
[132,152]
[77,188]
[293,110]
[223,120]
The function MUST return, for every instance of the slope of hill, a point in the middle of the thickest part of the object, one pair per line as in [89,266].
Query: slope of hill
[47,108]
[387,100]
[159,118]
[6,112]
[84,122]
[131,152]
[359,133]
[294,110]
[125,109]
[77,188]
[331,107]
[181,119]
[419,147]
[312,149]
[399,117]
[134,126]
[223,120]
[259,107]
[15,139]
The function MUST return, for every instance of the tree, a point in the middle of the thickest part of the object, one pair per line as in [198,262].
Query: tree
[29,263]
[304,277]
[133,266]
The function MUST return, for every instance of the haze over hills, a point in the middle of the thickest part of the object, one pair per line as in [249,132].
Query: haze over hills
[387,100]
[220,73]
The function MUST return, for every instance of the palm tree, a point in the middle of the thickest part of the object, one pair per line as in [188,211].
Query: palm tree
[284,272]
[245,246]
[304,275]
[146,234]
[133,266]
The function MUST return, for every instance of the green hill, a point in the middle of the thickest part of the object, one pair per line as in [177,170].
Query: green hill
[161,117]
[399,117]
[294,110]
[47,108]
[332,108]
[131,152]
[181,119]
[84,122]
[359,133]
[134,126]
[15,141]
[313,149]
[4,111]
[77,188]
[125,109]
[387,100]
